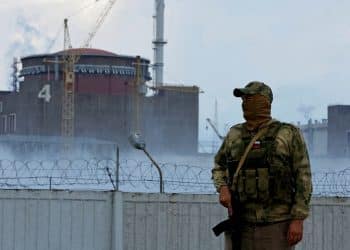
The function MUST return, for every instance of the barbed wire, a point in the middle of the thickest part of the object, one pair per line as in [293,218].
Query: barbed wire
[134,176]
[336,183]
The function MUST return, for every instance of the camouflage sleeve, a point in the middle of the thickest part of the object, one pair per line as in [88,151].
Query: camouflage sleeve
[302,176]
[219,171]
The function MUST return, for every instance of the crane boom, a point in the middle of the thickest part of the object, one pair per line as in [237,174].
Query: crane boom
[215,129]
[99,22]
[70,59]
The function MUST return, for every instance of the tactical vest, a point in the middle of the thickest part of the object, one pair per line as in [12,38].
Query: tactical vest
[265,176]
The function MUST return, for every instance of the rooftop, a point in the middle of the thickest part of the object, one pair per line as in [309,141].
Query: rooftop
[84,52]
[87,52]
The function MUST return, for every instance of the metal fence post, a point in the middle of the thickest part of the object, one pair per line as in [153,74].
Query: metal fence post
[117,170]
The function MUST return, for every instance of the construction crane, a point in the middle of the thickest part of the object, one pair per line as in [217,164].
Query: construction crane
[70,58]
[136,97]
[215,129]
[99,22]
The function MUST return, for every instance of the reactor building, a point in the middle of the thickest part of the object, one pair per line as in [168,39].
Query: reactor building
[106,106]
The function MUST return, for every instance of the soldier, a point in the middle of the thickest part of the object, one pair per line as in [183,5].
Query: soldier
[273,186]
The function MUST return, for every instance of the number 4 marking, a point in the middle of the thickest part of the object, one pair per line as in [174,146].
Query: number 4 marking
[45,93]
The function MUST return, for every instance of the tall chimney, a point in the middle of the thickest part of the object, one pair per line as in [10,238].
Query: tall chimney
[158,43]
[15,74]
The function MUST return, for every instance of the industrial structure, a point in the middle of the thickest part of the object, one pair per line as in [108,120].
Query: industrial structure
[103,102]
[92,93]
[339,130]
[329,137]
[316,137]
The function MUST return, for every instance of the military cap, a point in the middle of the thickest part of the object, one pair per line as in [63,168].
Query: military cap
[254,88]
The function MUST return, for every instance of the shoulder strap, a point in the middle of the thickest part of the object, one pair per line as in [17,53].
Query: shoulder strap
[248,148]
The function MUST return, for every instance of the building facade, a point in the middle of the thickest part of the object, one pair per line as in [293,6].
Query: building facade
[316,137]
[339,130]
[105,102]
[329,137]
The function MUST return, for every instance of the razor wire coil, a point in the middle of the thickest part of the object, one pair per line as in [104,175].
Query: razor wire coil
[134,176]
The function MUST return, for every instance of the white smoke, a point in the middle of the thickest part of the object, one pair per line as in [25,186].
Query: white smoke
[27,39]
[306,111]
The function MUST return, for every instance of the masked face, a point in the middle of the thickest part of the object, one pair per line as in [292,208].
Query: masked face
[256,110]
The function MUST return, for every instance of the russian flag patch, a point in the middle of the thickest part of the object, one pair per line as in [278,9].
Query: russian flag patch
[257,145]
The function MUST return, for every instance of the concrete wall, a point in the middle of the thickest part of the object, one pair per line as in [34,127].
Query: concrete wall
[168,121]
[172,222]
[171,120]
[184,222]
[338,128]
[44,220]
[328,227]
[35,220]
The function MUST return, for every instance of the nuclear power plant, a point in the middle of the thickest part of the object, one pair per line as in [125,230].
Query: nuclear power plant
[103,103]
[93,93]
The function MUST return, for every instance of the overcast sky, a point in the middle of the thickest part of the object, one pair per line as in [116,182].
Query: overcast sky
[300,48]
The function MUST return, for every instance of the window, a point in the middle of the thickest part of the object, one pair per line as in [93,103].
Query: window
[11,123]
[3,124]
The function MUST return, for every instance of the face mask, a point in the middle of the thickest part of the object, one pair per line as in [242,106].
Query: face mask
[256,110]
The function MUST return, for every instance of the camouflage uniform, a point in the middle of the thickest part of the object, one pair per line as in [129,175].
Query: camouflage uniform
[274,184]
[284,180]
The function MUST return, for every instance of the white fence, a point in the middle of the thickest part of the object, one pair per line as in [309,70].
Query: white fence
[60,220]
[44,220]
[328,227]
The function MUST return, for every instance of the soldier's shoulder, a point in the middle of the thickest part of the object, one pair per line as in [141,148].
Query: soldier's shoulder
[288,129]
[235,131]
[238,126]
[289,126]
